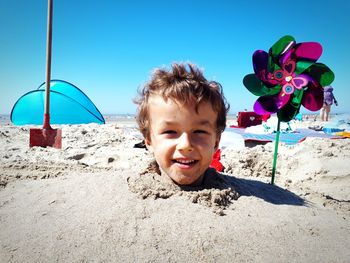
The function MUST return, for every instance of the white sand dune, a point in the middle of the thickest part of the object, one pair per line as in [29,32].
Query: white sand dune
[87,202]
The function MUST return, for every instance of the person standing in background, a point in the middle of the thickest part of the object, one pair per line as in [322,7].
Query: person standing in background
[328,99]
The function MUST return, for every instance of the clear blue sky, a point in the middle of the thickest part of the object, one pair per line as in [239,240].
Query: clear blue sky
[109,48]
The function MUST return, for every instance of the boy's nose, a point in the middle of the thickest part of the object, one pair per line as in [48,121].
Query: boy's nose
[184,143]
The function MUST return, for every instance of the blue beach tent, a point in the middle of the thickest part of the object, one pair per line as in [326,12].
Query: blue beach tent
[68,105]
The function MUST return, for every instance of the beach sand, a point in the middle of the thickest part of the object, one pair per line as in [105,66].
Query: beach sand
[88,202]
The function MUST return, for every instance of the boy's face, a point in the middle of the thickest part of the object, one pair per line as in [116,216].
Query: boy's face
[182,140]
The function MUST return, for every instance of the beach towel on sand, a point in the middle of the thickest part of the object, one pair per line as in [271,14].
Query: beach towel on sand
[291,138]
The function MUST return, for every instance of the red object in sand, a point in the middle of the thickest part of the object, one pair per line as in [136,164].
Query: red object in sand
[46,137]
[215,163]
[265,117]
[248,118]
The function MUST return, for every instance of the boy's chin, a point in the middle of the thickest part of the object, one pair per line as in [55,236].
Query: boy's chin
[185,181]
[181,179]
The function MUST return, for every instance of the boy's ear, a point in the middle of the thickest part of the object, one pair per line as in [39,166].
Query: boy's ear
[149,145]
[217,141]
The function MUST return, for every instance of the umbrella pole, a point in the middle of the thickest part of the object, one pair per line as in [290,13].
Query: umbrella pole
[276,152]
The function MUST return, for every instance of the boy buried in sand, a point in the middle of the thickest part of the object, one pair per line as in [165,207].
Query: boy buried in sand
[181,116]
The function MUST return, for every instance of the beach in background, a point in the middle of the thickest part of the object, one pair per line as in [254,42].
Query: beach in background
[95,200]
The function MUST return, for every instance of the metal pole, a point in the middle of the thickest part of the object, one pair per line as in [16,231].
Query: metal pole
[48,65]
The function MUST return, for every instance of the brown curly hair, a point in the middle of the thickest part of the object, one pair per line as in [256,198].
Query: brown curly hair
[185,84]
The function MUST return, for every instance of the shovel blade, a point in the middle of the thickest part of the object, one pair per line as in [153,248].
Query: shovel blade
[46,138]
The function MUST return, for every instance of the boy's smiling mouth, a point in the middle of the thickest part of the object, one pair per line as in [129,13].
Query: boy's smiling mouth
[185,163]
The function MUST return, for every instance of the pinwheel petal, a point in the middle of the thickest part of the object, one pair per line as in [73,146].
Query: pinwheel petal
[255,86]
[313,97]
[301,66]
[270,104]
[285,57]
[260,64]
[281,47]
[260,60]
[288,113]
[258,109]
[309,51]
[291,109]
[320,73]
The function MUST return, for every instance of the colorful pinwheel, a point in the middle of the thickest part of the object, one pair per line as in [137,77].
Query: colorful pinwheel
[288,77]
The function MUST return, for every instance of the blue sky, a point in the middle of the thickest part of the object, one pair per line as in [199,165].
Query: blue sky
[109,48]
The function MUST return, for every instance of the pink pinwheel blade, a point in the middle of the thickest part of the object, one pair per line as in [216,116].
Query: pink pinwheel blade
[308,51]
[313,98]
[270,104]
[258,109]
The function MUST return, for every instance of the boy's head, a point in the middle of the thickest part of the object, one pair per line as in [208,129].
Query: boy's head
[181,116]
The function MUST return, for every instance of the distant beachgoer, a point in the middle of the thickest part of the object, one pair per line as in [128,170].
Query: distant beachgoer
[181,116]
[328,99]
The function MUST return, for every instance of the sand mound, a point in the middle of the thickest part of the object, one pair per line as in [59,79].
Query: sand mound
[215,192]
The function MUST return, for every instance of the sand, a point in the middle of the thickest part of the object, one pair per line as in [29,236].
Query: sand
[95,200]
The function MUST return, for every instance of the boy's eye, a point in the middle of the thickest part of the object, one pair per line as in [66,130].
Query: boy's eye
[169,132]
[200,131]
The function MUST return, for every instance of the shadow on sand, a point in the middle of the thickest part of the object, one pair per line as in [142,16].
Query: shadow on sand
[248,187]
[269,193]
